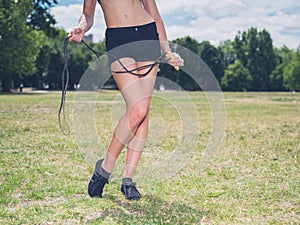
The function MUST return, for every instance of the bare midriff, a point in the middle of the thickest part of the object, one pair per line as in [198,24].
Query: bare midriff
[124,13]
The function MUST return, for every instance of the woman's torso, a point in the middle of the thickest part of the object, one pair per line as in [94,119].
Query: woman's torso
[124,13]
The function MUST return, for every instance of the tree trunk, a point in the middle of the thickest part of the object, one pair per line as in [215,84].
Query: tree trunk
[5,84]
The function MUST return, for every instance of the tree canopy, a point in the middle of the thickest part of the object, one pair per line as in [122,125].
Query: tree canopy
[291,73]
[31,53]
[19,43]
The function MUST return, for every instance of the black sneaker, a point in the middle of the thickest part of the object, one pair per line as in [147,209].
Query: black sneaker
[97,182]
[130,191]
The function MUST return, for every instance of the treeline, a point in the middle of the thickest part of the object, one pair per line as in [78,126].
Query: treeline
[249,62]
[32,54]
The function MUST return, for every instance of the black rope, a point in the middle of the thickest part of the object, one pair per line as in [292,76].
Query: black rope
[65,78]
[64,87]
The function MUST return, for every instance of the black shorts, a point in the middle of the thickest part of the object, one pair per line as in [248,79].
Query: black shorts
[138,42]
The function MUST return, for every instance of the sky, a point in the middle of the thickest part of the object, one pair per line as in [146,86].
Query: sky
[206,20]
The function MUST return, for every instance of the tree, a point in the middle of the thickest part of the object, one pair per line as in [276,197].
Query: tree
[41,19]
[255,50]
[79,59]
[240,45]
[236,78]
[291,74]
[183,80]
[55,66]
[188,43]
[228,52]
[19,43]
[213,58]
[276,78]
[283,57]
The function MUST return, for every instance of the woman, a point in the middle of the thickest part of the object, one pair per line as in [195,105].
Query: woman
[128,21]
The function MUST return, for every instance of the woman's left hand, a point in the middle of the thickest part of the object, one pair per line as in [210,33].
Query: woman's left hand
[174,60]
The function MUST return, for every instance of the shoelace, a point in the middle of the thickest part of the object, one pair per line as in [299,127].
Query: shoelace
[133,184]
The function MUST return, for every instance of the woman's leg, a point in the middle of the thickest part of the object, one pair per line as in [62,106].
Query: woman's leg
[136,144]
[137,94]
[137,108]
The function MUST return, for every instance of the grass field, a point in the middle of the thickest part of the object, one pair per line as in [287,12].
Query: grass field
[255,178]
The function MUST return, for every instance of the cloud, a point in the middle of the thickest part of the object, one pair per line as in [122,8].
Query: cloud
[67,17]
[217,21]
[213,21]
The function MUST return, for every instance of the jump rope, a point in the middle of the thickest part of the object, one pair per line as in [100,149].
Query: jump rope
[65,77]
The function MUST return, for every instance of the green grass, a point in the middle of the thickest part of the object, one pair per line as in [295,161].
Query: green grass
[254,180]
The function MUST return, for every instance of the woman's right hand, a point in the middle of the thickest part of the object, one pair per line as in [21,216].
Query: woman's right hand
[76,34]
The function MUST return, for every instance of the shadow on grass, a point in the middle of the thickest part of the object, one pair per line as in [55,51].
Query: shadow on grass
[149,210]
